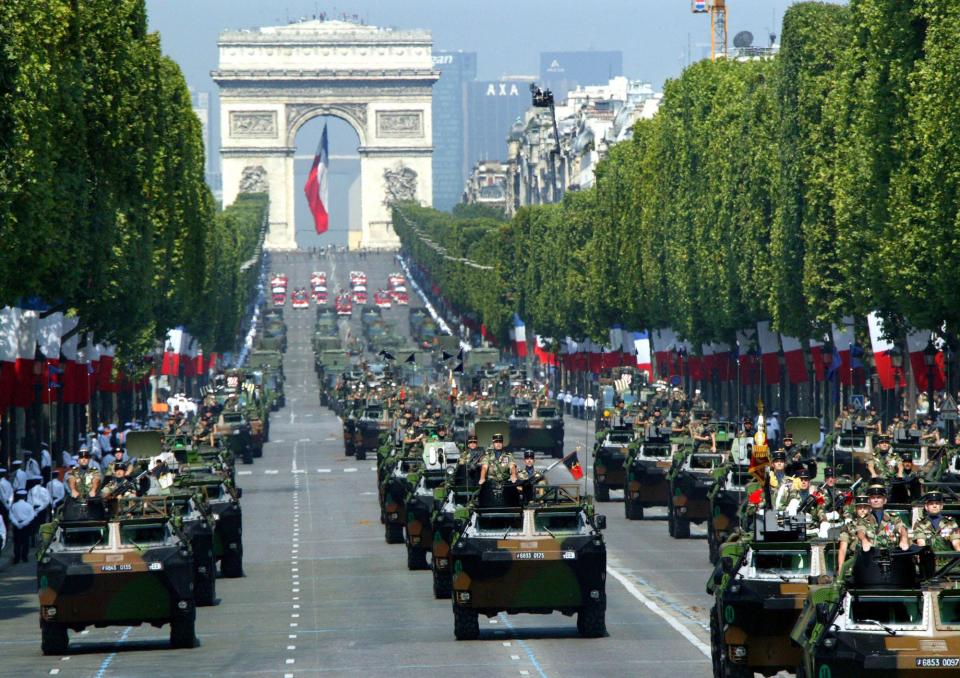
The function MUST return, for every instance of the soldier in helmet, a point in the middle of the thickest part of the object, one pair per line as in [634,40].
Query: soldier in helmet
[529,476]
[848,533]
[119,485]
[881,528]
[84,481]
[883,461]
[939,531]
[703,433]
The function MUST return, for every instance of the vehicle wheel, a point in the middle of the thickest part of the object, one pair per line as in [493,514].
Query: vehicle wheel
[416,558]
[53,638]
[258,451]
[182,634]
[205,592]
[361,455]
[247,457]
[633,510]
[231,565]
[348,450]
[671,523]
[558,451]
[591,621]
[442,584]
[681,529]
[601,491]
[393,533]
[715,644]
[466,623]
[712,546]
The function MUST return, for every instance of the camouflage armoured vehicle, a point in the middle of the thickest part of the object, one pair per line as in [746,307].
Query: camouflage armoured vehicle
[646,467]
[886,617]
[759,585]
[727,495]
[223,500]
[234,432]
[609,461]
[438,458]
[502,556]
[537,427]
[449,515]
[196,521]
[369,426]
[125,565]
[690,478]
[397,484]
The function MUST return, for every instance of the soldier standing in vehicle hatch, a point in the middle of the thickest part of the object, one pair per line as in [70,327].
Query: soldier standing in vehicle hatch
[881,528]
[498,464]
[941,532]
[84,481]
[703,433]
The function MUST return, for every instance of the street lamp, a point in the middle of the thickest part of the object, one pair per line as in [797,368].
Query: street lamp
[930,359]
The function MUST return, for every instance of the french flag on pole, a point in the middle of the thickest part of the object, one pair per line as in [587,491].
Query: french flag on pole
[641,342]
[520,336]
[316,186]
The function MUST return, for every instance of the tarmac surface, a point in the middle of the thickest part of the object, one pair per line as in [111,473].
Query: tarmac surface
[324,595]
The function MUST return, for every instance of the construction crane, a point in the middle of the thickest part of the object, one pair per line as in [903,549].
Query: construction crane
[717,9]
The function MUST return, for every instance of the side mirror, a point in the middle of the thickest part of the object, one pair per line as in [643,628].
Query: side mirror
[600,521]
[824,613]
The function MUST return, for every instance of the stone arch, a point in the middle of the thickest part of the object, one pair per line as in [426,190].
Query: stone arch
[299,115]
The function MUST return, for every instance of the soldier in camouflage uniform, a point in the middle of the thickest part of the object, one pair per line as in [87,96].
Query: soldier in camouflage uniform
[498,464]
[703,433]
[801,493]
[881,528]
[680,422]
[84,481]
[848,533]
[940,532]
[119,485]
[529,477]
[883,461]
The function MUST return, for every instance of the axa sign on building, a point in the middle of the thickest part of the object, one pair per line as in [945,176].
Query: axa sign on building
[503,89]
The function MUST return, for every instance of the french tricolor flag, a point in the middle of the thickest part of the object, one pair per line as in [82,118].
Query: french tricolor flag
[641,343]
[316,186]
[519,334]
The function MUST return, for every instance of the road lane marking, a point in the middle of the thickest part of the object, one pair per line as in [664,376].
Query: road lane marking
[105,664]
[271,471]
[524,646]
[652,605]
[244,473]
[349,470]
[324,470]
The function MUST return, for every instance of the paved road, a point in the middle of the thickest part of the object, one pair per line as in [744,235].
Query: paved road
[325,595]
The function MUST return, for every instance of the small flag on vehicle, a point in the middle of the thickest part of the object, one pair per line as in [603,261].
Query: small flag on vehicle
[458,369]
[572,462]
[444,356]
[411,358]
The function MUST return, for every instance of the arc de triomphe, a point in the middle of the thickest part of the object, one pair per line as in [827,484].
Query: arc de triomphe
[273,80]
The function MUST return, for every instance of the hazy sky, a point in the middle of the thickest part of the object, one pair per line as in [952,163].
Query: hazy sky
[508,35]
[656,37]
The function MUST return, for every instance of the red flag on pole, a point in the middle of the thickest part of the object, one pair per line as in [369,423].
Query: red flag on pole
[316,186]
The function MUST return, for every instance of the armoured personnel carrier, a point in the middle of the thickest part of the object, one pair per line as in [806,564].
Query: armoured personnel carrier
[502,556]
[122,564]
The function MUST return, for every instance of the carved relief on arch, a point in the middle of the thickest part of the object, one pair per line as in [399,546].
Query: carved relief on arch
[254,180]
[298,114]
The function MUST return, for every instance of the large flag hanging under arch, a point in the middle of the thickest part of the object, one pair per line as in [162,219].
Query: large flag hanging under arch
[316,186]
